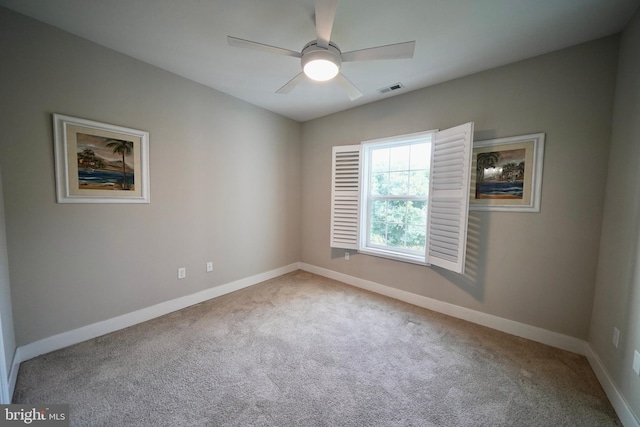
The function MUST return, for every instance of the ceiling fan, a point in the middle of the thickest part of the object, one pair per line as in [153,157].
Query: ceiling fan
[322,59]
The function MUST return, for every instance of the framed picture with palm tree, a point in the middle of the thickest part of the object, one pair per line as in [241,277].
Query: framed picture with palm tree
[508,174]
[100,163]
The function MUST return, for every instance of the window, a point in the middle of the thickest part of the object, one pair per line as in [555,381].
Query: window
[404,198]
[395,186]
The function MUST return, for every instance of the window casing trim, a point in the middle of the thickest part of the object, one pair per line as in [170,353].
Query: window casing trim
[364,245]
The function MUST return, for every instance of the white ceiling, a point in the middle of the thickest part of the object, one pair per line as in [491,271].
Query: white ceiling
[454,38]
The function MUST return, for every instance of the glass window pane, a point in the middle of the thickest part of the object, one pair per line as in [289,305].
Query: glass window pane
[396,235]
[380,184]
[420,156]
[398,183]
[399,158]
[416,237]
[419,183]
[380,160]
[378,234]
[417,212]
[397,211]
[379,210]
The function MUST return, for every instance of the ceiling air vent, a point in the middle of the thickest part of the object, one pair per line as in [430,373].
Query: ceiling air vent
[390,88]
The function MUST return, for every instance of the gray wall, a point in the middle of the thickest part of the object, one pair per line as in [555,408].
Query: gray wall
[617,297]
[224,184]
[534,268]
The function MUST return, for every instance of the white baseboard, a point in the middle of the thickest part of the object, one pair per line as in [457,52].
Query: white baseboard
[618,401]
[523,330]
[94,330]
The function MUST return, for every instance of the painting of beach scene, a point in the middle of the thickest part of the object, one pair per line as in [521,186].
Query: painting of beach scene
[507,174]
[100,162]
[500,174]
[105,163]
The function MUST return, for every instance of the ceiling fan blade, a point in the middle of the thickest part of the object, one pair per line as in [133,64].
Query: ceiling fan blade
[325,14]
[291,84]
[391,51]
[350,89]
[234,41]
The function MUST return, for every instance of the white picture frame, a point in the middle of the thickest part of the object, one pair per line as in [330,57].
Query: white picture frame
[508,174]
[100,163]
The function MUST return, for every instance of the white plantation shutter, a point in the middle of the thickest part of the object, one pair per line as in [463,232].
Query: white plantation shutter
[449,197]
[345,196]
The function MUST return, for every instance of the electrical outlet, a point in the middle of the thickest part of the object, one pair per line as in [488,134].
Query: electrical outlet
[182,273]
[616,337]
[346,256]
[636,362]
[209,266]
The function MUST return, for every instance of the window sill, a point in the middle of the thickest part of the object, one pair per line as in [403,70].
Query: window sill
[393,256]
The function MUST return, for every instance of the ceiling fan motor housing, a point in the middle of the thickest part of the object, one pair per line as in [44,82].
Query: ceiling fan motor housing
[312,53]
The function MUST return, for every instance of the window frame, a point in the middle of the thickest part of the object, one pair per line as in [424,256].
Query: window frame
[366,199]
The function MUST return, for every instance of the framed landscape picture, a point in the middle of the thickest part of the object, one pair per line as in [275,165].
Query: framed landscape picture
[100,163]
[508,174]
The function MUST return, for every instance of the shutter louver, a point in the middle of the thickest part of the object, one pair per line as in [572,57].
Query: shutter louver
[345,196]
[449,197]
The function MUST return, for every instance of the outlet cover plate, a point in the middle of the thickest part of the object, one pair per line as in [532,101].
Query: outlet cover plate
[209,266]
[616,337]
[636,362]
[182,273]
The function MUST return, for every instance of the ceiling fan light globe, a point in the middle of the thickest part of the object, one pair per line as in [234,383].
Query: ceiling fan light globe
[321,64]
[321,70]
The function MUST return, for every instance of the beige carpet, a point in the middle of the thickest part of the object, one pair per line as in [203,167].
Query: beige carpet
[302,350]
